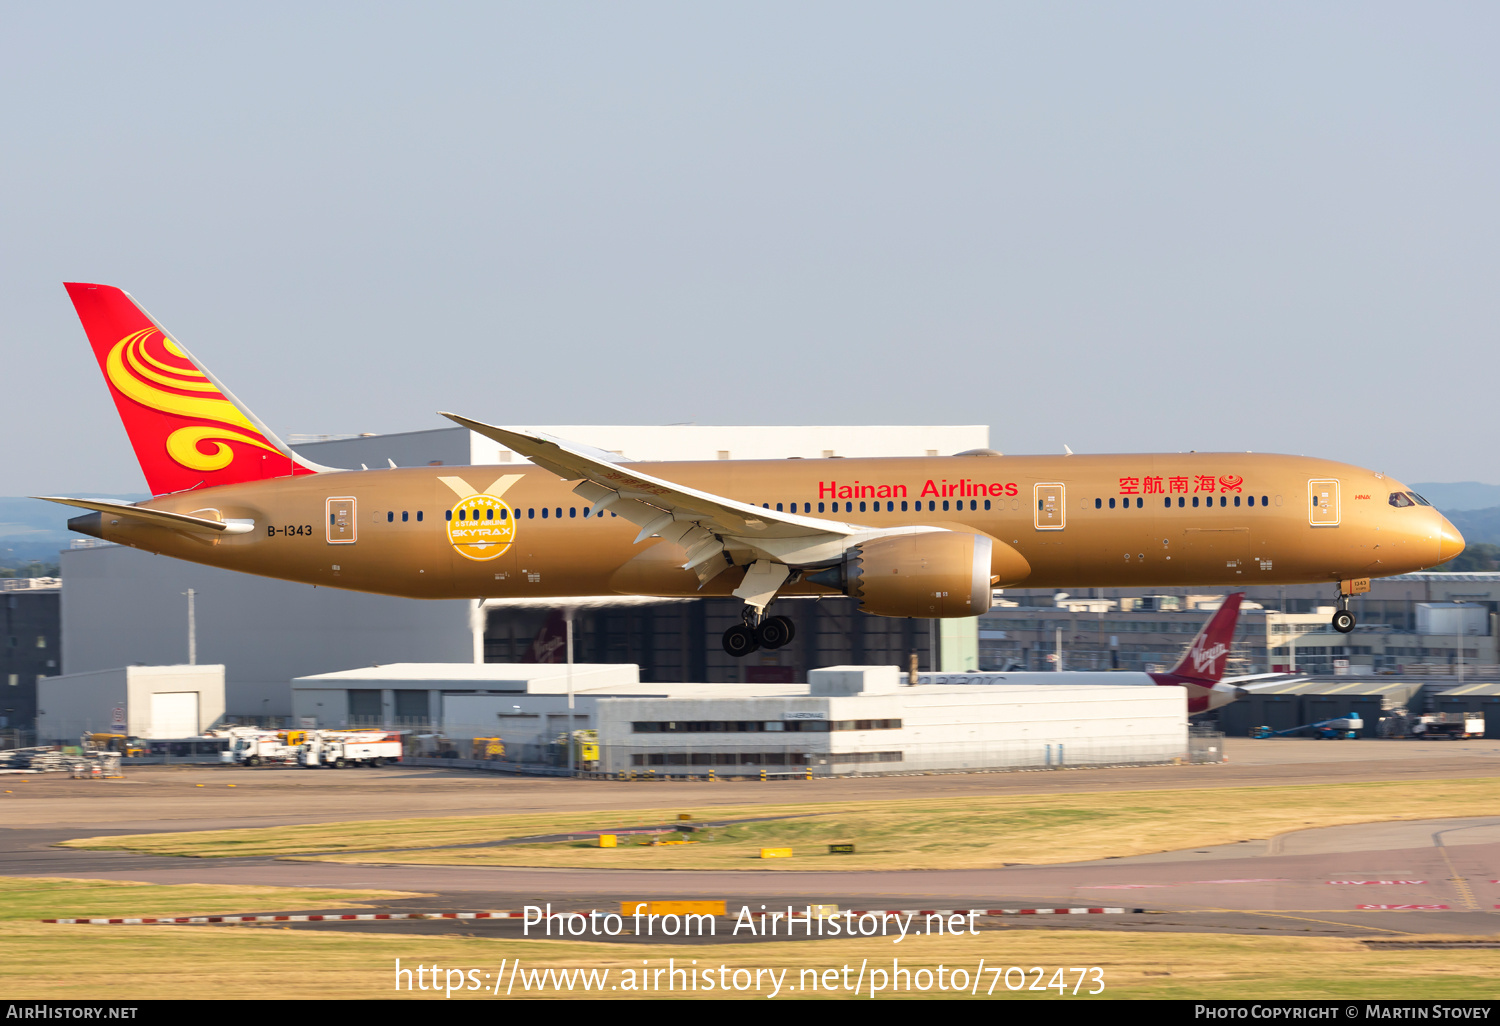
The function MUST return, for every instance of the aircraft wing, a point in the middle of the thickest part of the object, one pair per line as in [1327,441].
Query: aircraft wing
[716,531]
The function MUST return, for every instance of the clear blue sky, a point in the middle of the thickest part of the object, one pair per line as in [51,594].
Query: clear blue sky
[1120,227]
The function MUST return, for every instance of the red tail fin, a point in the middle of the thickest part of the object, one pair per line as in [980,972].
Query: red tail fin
[188,431]
[1205,658]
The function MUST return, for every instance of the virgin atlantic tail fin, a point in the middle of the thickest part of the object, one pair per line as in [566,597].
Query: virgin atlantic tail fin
[188,430]
[1205,658]
[550,642]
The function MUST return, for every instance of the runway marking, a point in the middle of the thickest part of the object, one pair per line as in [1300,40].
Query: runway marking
[1186,883]
[1457,879]
[1401,908]
[1301,919]
[1253,879]
[383,916]
[1392,883]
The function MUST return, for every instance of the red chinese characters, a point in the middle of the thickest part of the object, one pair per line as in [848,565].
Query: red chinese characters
[1130,485]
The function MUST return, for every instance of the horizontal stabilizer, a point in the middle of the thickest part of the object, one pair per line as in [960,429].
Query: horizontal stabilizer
[158,517]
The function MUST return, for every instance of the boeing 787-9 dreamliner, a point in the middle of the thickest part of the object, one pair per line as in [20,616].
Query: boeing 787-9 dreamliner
[912,537]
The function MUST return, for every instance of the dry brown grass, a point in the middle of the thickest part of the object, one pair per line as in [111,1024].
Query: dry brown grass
[964,833]
[148,962]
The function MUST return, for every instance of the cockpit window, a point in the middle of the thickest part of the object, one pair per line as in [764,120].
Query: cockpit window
[1420,501]
[1399,499]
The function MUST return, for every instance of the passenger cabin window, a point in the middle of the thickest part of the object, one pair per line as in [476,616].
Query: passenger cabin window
[1195,502]
[403,516]
[419,516]
[390,517]
[1399,500]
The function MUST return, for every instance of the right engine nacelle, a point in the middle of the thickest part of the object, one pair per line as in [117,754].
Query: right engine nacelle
[936,574]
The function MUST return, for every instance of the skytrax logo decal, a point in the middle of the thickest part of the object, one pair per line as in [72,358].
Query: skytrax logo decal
[481,525]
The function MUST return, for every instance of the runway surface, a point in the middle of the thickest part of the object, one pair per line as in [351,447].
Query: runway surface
[1439,876]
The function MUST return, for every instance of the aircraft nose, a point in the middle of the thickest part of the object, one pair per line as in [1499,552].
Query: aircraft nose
[1450,542]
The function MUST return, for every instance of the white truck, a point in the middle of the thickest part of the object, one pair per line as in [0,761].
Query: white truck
[337,750]
[253,747]
[1454,726]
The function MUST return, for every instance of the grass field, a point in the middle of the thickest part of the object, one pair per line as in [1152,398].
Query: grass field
[970,832]
[146,962]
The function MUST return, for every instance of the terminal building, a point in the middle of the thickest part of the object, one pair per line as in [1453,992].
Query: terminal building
[845,719]
[30,650]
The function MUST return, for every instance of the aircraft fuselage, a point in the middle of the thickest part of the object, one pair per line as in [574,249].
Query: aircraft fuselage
[1149,520]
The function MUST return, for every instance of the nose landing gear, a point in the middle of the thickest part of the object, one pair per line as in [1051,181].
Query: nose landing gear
[1343,620]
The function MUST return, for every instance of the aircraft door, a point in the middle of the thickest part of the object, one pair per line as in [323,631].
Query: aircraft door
[1050,506]
[340,524]
[1323,502]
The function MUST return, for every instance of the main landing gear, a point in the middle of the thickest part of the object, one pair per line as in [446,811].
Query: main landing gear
[1343,620]
[758,631]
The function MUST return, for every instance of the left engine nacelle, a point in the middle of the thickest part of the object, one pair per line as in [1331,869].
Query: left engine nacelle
[937,574]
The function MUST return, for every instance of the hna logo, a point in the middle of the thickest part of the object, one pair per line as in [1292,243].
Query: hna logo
[1204,659]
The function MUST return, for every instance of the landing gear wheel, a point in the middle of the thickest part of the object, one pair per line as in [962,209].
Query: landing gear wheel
[775,632]
[1343,621]
[740,641]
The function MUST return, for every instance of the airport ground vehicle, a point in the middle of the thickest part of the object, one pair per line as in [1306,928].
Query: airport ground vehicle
[254,747]
[916,537]
[1450,726]
[1336,729]
[121,743]
[488,748]
[338,749]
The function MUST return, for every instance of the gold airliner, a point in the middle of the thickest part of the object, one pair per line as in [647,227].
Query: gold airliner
[915,537]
